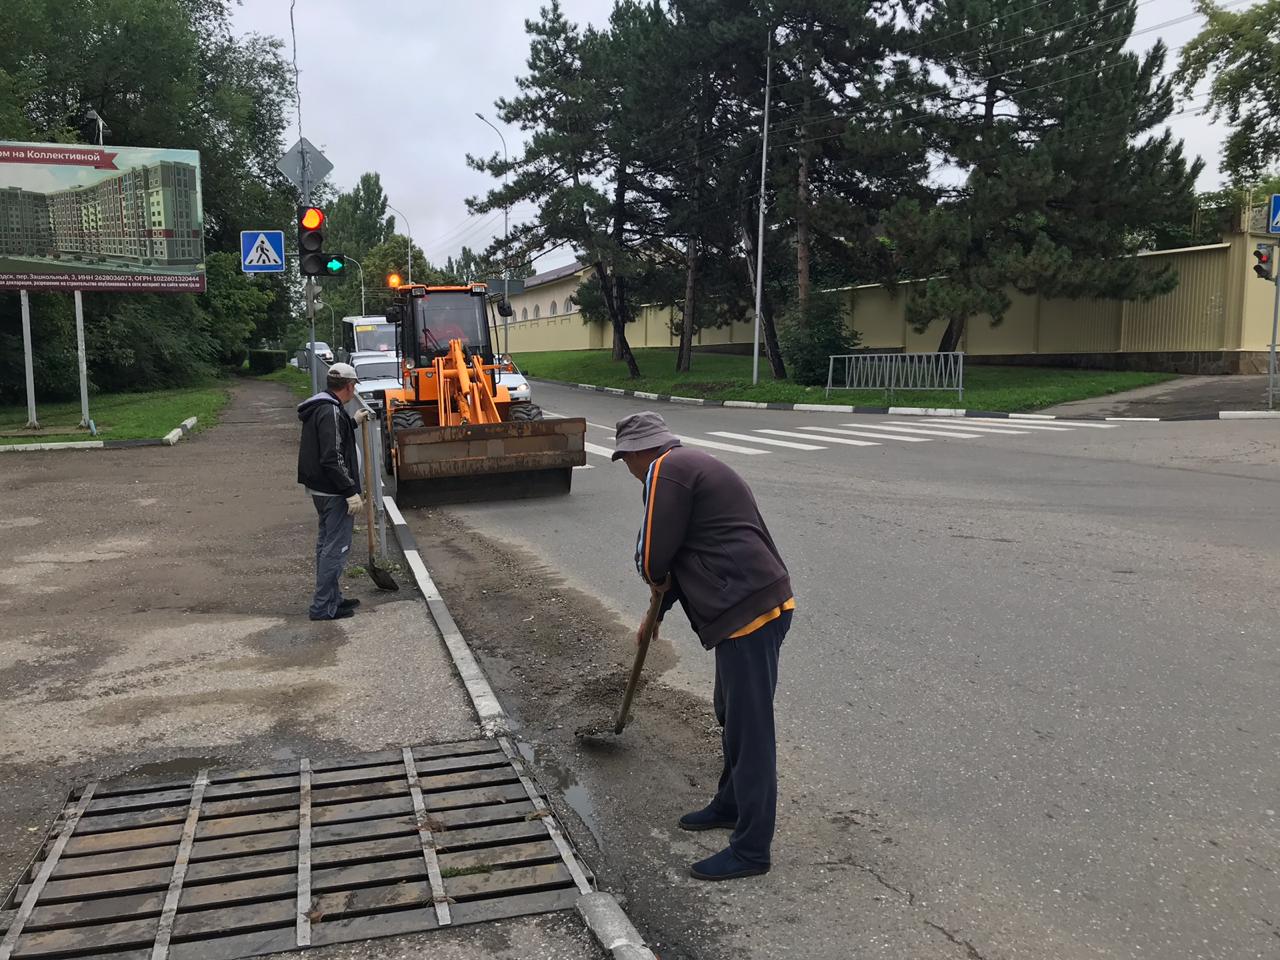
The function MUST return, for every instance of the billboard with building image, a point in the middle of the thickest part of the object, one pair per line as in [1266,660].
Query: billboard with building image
[75,217]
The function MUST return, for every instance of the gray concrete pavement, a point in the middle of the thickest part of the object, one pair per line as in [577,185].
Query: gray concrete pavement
[1026,710]
[1183,397]
[154,607]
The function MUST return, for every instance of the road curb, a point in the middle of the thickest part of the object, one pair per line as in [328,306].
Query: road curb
[612,928]
[904,411]
[602,913]
[168,440]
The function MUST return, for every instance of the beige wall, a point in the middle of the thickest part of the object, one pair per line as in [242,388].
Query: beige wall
[1218,305]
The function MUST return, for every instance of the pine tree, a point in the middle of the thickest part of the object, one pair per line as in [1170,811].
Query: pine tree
[1055,129]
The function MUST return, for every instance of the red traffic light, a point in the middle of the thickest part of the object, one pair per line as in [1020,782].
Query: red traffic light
[1264,268]
[311,218]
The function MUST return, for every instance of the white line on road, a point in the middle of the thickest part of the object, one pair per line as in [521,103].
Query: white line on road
[772,443]
[943,425]
[807,436]
[1054,421]
[1020,424]
[862,433]
[904,429]
[715,445]
[561,416]
[598,450]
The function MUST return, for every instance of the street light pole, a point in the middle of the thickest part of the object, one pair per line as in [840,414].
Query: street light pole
[764,169]
[408,229]
[506,234]
[361,269]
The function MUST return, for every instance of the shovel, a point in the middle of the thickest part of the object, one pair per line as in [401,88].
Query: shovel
[382,578]
[648,633]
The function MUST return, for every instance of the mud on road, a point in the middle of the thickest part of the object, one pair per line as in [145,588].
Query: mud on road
[558,659]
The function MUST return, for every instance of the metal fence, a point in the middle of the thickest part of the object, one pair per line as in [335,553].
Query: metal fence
[890,372]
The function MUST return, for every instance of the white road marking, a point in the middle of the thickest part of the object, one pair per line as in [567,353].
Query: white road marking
[808,436]
[1020,424]
[861,433]
[716,445]
[584,466]
[598,450]
[903,429]
[942,425]
[772,443]
[561,416]
[1055,421]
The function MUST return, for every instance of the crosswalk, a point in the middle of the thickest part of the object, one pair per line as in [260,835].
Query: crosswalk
[813,438]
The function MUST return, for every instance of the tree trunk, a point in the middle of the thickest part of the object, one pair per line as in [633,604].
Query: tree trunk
[617,343]
[951,336]
[684,356]
[619,321]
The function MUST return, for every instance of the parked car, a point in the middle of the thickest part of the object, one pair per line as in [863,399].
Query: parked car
[321,350]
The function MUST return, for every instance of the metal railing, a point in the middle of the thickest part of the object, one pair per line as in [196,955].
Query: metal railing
[891,372]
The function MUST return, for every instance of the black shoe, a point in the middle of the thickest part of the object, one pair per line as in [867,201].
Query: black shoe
[341,614]
[350,603]
[707,819]
[726,865]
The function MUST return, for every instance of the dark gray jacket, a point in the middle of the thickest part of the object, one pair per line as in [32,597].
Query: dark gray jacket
[702,526]
[327,460]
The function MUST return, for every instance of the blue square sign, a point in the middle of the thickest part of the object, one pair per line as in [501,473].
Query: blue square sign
[1273,214]
[262,251]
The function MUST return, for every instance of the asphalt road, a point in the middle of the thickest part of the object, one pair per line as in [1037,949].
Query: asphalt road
[1027,707]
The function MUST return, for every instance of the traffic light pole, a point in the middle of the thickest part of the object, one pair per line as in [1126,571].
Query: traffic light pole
[311,344]
[1271,358]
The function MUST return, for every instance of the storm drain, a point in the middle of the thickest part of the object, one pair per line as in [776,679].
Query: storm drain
[241,863]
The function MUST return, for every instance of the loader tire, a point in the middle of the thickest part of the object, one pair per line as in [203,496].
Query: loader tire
[407,419]
[526,411]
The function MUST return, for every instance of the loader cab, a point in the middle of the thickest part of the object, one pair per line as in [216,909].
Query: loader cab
[429,317]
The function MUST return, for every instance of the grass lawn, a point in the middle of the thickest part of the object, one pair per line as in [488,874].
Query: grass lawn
[119,416]
[299,381]
[721,376]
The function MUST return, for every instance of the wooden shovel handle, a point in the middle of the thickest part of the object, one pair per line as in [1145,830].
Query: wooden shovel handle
[648,631]
[368,487]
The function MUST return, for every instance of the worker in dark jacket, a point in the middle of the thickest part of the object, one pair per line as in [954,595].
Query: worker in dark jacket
[703,530]
[329,470]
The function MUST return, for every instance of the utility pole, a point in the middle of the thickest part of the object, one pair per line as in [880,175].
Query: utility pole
[408,229]
[506,234]
[764,168]
[1271,357]
[32,422]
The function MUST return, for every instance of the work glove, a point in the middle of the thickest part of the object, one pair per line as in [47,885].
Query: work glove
[361,417]
[354,504]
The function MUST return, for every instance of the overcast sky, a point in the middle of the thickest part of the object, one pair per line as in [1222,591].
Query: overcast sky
[394,85]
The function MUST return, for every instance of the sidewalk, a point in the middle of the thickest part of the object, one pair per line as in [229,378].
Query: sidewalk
[1184,397]
[154,603]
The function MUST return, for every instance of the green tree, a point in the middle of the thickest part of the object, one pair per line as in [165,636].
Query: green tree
[1057,132]
[1238,51]
[563,169]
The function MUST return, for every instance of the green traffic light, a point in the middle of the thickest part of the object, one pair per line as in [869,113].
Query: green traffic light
[334,265]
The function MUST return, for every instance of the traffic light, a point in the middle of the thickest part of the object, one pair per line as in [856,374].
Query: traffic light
[1265,268]
[311,241]
[312,300]
[335,265]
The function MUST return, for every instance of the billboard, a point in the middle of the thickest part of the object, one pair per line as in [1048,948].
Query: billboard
[75,217]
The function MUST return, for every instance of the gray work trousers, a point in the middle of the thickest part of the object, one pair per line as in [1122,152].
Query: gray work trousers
[333,543]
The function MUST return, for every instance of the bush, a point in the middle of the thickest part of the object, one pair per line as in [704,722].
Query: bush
[266,361]
[808,342]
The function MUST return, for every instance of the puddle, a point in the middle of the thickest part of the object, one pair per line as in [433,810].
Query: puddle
[175,769]
[574,793]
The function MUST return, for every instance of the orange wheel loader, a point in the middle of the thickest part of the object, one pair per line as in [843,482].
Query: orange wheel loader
[452,433]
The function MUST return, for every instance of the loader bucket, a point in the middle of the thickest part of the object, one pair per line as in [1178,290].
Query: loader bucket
[491,461]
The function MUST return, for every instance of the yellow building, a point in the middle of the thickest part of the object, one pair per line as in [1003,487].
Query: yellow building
[1217,320]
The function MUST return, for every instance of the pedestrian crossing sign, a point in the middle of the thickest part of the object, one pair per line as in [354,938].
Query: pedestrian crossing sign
[262,251]
[1273,214]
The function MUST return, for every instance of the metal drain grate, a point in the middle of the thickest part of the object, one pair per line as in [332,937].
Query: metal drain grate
[241,863]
